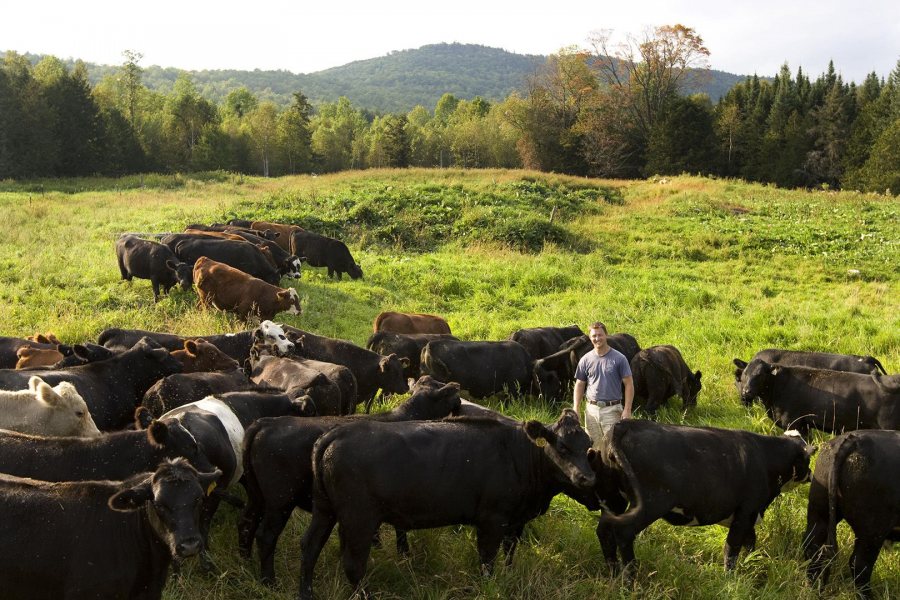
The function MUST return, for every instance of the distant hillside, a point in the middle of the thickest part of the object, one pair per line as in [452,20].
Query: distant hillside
[393,83]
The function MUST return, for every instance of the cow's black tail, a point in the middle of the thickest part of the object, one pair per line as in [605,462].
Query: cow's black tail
[254,493]
[840,455]
[615,450]
[429,364]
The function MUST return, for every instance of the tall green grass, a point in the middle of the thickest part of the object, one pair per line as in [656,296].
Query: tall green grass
[718,268]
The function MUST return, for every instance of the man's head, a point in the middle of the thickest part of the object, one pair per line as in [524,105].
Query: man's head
[597,333]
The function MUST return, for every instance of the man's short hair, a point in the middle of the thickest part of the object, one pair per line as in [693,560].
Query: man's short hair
[598,325]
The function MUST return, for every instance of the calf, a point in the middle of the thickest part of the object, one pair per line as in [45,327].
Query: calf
[45,410]
[235,345]
[833,401]
[30,357]
[183,388]
[154,261]
[696,476]
[856,480]
[410,323]
[278,465]
[200,355]
[99,539]
[487,368]
[491,475]
[408,346]
[111,388]
[9,346]
[218,424]
[323,251]
[227,288]
[117,455]
[851,363]
[284,231]
[660,373]
[544,341]
[371,370]
[331,388]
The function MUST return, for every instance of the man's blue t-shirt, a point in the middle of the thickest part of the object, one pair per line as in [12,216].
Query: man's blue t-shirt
[603,374]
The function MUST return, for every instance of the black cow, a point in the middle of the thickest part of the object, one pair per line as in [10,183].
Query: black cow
[544,341]
[331,388]
[253,260]
[487,368]
[278,465]
[404,345]
[323,251]
[696,476]
[856,480]
[83,354]
[852,363]
[115,456]
[466,471]
[218,424]
[235,345]
[154,261]
[183,388]
[288,264]
[111,388]
[565,359]
[659,373]
[372,370]
[834,401]
[99,539]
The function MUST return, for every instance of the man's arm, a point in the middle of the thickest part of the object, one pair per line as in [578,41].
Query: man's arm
[578,395]
[628,382]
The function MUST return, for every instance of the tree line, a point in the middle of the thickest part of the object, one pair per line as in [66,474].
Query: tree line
[614,109]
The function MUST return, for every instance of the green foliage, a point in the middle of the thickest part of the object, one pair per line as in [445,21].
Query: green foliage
[718,268]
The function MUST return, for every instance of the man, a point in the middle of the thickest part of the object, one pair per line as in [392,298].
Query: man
[600,376]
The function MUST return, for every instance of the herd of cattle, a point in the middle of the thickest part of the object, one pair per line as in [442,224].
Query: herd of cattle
[142,434]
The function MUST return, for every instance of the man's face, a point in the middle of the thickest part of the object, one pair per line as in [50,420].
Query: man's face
[598,337]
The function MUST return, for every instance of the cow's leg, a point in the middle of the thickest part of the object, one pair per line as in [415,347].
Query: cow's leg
[607,537]
[122,270]
[155,285]
[402,542]
[311,545]
[273,521]
[510,542]
[356,534]
[248,525]
[208,510]
[740,531]
[862,561]
[489,539]
[815,548]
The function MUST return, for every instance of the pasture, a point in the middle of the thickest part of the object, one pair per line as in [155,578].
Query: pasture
[718,268]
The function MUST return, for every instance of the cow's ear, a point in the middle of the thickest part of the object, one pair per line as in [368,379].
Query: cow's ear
[538,434]
[47,394]
[258,334]
[158,433]
[143,418]
[698,375]
[132,498]
[405,362]
[739,363]
[209,480]
[171,264]
[34,382]
[191,346]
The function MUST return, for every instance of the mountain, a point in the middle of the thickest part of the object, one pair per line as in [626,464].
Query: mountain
[392,83]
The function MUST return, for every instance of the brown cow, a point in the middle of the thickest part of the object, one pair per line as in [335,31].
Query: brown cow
[45,338]
[37,357]
[224,235]
[285,231]
[199,355]
[410,323]
[227,288]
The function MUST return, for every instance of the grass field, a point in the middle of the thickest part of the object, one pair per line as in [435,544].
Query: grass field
[718,268]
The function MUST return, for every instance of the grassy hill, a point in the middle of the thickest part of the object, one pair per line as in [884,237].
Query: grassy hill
[718,268]
[393,83]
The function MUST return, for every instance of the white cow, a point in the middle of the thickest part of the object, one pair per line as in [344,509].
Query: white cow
[45,410]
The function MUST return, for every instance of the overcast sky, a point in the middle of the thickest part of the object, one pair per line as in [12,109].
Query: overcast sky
[302,37]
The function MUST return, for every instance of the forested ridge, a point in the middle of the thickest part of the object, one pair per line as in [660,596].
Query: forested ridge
[609,110]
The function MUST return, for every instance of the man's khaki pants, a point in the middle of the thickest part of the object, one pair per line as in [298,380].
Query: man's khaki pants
[598,421]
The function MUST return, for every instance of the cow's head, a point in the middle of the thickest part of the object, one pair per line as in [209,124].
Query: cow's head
[172,497]
[183,272]
[740,365]
[67,413]
[175,441]
[567,446]
[756,380]
[268,254]
[199,355]
[391,378]
[83,354]
[546,382]
[803,451]
[432,399]
[291,267]
[355,271]
[691,387]
[272,335]
[288,297]
[30,357]
[164,362]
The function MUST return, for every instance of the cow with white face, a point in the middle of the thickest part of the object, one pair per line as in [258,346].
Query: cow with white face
[273,337]
[45,410]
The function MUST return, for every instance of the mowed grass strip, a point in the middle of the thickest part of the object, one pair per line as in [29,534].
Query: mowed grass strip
[718,268]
